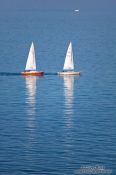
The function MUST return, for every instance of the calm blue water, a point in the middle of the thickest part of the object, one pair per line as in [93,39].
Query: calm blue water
[57,125]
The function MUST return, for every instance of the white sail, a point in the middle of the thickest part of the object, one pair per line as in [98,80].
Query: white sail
[31,63]
[68,64]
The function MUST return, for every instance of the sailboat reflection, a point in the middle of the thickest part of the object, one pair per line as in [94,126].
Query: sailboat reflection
[68,95]
[31,88]
[31,93]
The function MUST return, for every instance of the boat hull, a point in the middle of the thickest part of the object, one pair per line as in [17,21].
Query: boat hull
[33,73]
[69,73]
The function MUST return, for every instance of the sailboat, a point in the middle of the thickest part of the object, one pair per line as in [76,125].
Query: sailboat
[30,68]
[68,68]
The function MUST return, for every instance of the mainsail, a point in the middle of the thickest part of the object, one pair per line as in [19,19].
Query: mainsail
[68,64]
[31,63]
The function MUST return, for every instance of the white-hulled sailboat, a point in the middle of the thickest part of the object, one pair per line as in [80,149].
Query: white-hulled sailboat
[68,68]
[30,68]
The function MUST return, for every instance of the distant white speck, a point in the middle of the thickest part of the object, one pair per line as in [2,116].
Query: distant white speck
[77,10]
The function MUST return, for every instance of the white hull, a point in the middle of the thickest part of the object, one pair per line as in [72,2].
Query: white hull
[69,73]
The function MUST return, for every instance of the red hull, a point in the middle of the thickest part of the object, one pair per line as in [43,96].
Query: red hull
[32,73]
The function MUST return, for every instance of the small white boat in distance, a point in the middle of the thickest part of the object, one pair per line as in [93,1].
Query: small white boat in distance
[30,68]
[76,10]
[68,68]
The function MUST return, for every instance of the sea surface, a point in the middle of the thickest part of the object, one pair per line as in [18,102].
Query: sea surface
[58,125]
